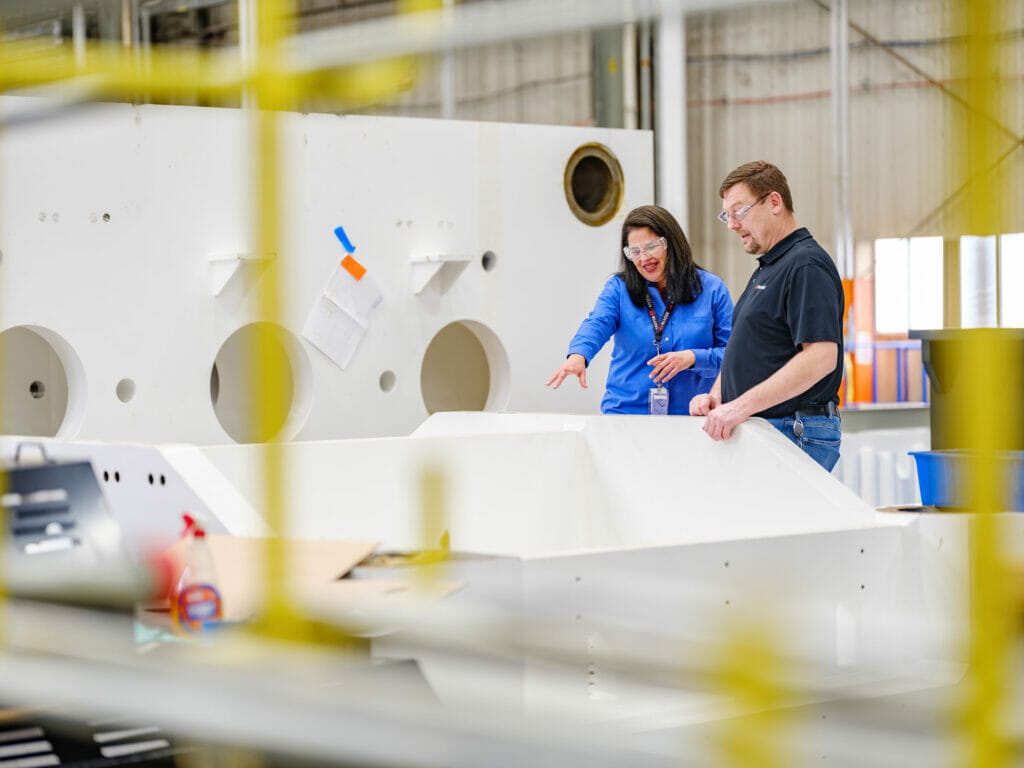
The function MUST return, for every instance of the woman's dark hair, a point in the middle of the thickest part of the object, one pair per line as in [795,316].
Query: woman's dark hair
[683,283]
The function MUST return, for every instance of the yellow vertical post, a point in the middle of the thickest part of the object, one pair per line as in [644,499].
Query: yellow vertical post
[273,96]
[751,673]
[433,522]
[983,419]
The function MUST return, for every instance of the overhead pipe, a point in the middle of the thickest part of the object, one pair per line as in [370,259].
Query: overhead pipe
[629,78]
[448,72]
[670,115]
[841,196]
[78,33]
[645,75]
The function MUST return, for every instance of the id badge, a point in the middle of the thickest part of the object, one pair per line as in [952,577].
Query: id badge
[657,401]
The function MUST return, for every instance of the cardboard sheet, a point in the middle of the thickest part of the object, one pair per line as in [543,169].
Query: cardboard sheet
[238,560]
[315,570]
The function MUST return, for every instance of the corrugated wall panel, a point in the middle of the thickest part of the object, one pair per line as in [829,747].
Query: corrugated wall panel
[759,87]
[757,81]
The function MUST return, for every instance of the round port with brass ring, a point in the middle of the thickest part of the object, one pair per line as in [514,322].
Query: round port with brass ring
[593,184]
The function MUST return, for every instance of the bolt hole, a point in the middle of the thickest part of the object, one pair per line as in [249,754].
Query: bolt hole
[106,476]
[37,389]
[488,261]
[106,217]
[150,478]
[125,390]
[117,477]
[387,381]
[163,480]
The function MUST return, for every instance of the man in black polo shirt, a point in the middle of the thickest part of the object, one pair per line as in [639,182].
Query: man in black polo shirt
[784,360]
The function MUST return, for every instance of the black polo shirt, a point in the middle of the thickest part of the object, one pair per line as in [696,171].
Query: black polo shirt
[795,296]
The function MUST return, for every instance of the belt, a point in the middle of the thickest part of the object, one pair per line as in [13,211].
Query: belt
[824,409]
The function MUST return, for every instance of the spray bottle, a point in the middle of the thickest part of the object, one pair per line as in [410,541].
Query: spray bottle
[196,602]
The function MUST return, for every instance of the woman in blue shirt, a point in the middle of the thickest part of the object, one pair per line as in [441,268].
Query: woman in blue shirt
[669,318]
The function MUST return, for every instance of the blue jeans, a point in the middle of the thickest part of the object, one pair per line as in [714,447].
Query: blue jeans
[820,439]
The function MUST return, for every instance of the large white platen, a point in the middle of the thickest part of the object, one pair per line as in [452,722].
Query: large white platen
[130,278]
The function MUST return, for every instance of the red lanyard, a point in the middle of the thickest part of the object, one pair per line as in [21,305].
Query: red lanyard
[659,327]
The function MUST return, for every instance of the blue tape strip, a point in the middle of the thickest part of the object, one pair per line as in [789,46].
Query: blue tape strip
[343,238]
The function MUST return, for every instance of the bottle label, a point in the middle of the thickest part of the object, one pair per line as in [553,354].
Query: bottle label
[198,604]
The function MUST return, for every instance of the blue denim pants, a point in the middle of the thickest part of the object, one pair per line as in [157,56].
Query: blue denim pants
[820,439]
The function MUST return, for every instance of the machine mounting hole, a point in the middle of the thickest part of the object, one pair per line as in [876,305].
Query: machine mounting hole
[125,390]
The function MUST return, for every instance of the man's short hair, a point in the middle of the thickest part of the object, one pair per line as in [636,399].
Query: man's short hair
[760,178]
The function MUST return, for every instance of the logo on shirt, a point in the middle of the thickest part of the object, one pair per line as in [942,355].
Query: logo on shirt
[760,287]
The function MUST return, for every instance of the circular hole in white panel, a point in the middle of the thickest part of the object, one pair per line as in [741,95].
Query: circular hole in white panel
[465,368]
[42,383]
[260,384]
[593,184]
[125,390]
[387,381]
[214,385]
[489,261]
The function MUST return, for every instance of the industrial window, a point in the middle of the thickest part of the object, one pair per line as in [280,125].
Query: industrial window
[908,284]
[978,307]
[1011,275]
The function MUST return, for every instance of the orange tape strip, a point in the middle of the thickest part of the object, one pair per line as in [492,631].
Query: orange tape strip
[353,267]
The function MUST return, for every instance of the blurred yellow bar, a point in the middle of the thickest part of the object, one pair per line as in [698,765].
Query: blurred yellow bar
[114,72]
[751,671]
[270,88]
[984,420]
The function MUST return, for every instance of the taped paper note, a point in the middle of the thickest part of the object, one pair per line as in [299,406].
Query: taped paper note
[333,331]
[341,314]
[353,289]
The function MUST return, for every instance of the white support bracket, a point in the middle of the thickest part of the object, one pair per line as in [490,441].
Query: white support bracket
[224,266]
[426,267]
